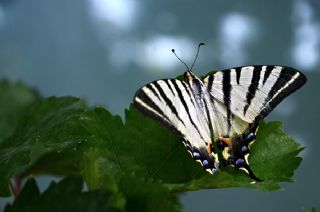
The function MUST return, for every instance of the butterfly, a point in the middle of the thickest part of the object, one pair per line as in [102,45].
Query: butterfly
[221,111]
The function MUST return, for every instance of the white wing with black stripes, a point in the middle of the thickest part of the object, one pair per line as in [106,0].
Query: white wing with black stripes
[172,102]
[252,92]
[225,109]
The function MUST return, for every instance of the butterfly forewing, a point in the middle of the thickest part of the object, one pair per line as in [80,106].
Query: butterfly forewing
[254,90]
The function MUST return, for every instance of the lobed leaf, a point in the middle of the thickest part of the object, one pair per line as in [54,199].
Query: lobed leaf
[273,159]
[149,150]
[62,137]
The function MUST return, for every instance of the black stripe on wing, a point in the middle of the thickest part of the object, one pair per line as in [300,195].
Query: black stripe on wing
[267,73]
[253,87]
[238,74]
[169,86]
[189,93]
[168,101]
[226,88]
[142,100]
[289,81]
[210,81]
[209,87]
[185,106]
[157,97]
[152,101]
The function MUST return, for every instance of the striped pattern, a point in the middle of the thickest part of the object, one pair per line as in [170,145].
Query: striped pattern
[173,103]
[226,104]
[254,90]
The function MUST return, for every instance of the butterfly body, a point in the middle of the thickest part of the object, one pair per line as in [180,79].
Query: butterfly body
[222,110]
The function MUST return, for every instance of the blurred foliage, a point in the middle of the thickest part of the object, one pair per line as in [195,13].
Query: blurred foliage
[313,209]
[67,195]
[136,165]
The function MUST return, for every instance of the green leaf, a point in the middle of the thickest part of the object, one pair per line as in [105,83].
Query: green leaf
[151,151]
[52,132]
[159,152]
[114,161]
[67,195]
[274,154]
[138,165]
[16,99]
[140,145]
[147,195]
[27,198]
[273,159]
[62,136]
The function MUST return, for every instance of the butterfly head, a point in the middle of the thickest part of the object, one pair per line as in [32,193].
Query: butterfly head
[195,83]
[189,76]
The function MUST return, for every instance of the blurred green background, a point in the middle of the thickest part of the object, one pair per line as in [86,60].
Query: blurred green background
[104,50]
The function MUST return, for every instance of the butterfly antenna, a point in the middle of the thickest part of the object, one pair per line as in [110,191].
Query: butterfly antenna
[195,59]
[174,52]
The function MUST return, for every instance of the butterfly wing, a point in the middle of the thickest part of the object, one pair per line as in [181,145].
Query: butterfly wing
[222,121]
[227,105]
[171,101]
[252,92]
[245,95]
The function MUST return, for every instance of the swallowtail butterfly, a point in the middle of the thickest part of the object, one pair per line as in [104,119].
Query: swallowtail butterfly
[222,110]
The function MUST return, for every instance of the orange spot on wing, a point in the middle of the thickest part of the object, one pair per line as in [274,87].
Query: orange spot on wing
[209,148]
[226,141]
